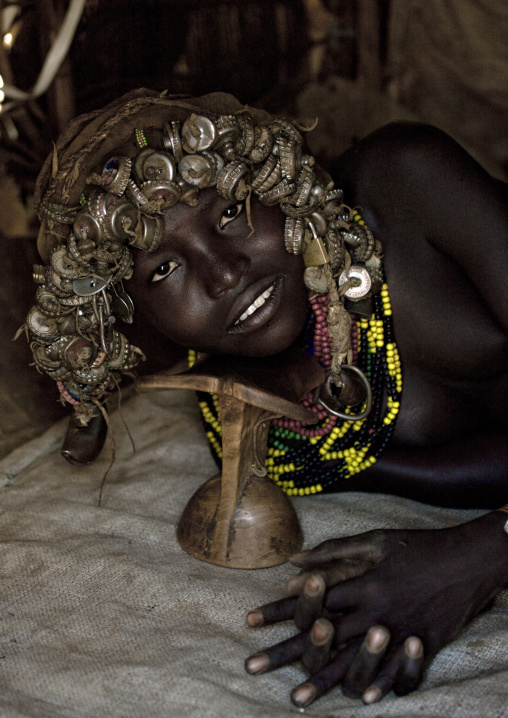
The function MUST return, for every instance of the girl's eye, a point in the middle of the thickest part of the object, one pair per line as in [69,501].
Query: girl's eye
[230,213]
[163,271]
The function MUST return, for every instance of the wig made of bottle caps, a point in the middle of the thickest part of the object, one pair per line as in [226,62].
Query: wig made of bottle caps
[104,190]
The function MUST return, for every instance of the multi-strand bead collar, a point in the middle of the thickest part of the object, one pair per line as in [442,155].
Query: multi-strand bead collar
[308,459]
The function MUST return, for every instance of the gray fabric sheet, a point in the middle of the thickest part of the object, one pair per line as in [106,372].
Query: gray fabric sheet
[104,615]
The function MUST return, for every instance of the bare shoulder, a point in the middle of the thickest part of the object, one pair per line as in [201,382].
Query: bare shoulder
[405,163]
[431,204]
[443,222]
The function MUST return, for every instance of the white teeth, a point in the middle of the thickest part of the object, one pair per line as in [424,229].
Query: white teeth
[255,304]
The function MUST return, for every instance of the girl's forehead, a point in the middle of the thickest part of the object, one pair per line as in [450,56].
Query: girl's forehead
[209,208]
[206,201]
[187,219]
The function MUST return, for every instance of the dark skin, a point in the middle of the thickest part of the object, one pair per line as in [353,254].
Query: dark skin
[209,269]
[385,605]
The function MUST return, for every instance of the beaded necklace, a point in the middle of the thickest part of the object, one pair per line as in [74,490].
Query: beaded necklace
[308,459]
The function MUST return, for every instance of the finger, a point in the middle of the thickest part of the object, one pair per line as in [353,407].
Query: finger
[295,584]
[332,573]
[367,662]
[411,673]
[345,595]
[317,649]
[281,610]
[402,672]
[343,570]
[310,602]
[347,627]
[339,597]
[279,655]
[321,682]
[367,547]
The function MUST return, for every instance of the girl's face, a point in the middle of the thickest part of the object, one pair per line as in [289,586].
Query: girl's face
[212,287]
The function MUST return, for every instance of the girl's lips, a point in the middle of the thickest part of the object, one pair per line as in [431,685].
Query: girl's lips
[259,304]
[256,304]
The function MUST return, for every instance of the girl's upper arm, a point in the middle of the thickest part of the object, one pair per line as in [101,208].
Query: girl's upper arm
[420,173]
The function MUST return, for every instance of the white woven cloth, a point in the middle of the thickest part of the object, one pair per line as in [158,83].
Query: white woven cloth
[103,615]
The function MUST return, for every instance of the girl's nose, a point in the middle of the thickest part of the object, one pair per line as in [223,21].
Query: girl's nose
[222,272]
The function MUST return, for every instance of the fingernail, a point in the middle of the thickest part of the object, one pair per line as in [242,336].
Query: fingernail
[257,663]
[298,556]
[255,618]
[414,647]
[303,695]
[321,631]
[314,584]
[377,639]
[371,695]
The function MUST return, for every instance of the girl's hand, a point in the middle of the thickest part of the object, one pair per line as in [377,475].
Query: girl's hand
[373,608]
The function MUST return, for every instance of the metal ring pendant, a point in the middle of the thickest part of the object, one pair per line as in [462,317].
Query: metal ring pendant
[342,414]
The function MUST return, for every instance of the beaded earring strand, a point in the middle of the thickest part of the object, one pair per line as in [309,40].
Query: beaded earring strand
[304,459]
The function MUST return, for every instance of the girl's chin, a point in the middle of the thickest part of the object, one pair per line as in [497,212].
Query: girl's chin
[257,345]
